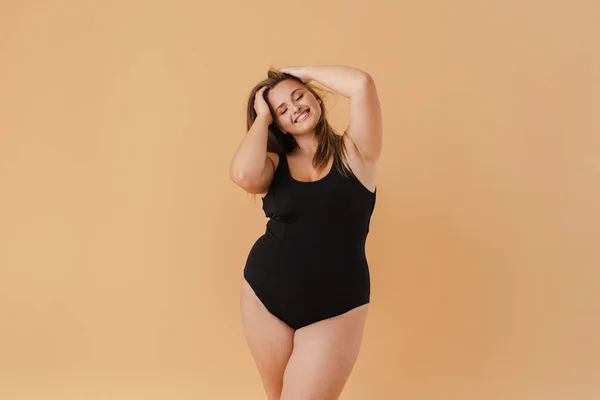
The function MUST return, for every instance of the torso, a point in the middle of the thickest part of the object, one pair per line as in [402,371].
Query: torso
[311,264]
[301,168]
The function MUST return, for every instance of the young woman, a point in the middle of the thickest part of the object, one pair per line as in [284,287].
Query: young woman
[306,287]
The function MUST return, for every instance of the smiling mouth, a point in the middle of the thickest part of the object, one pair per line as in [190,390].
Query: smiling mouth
[302,116]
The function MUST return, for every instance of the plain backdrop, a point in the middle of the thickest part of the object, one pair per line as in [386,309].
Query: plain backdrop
[122,239]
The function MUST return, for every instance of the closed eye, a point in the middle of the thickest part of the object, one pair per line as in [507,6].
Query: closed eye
[299,97]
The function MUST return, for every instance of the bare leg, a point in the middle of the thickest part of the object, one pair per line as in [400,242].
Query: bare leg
[323,356]
[270,341]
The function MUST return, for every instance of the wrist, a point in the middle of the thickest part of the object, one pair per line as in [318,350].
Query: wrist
[265,118]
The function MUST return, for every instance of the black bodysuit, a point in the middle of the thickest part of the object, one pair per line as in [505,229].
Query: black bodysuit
[310,264]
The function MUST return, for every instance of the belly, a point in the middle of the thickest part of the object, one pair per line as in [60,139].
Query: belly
[302,265]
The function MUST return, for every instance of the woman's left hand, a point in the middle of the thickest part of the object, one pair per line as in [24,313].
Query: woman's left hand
[299,72]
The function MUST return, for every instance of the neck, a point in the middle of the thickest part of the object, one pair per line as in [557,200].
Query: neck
[307,144]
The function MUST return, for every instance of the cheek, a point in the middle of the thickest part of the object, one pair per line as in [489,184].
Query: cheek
[283,119]
[284,123]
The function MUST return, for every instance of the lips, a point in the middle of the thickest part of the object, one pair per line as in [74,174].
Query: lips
[302,116]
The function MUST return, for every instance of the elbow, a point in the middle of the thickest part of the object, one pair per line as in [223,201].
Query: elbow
[237,176]
[365,84]
[366,80]
[244,181]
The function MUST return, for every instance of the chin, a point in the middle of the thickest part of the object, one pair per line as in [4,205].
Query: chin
[306,131]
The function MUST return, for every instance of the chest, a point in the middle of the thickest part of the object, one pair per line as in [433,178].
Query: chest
[333,198]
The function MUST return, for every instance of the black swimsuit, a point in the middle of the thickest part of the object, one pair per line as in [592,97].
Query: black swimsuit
[310,264]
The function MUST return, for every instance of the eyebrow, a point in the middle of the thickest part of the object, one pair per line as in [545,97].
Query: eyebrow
[291,94]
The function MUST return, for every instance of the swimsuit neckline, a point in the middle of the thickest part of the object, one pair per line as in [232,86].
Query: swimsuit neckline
[289,173]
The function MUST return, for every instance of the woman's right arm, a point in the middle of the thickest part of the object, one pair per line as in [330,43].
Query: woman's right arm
[251,167]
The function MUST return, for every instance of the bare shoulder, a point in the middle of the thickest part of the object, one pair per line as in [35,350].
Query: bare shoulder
[365,171]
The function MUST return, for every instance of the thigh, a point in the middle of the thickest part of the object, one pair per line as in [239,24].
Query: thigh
[323,357]
[270,340]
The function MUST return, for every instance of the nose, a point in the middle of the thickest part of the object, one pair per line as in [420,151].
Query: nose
[296,109]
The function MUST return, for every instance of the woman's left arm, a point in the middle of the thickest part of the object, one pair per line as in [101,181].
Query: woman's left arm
[365,127]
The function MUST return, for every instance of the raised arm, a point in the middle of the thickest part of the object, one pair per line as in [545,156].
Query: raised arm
[365,128]
[252,168]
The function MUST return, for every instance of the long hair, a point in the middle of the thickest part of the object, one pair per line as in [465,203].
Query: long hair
[330,143]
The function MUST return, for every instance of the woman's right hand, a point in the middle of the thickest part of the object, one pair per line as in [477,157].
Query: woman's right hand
[260,105]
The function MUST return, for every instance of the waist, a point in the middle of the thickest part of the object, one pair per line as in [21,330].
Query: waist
[347,231]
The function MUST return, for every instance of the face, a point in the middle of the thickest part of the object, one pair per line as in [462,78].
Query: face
[295,109]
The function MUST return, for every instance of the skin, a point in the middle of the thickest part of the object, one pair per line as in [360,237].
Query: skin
[311,363]
[287,100]
[314,362]
[300,161]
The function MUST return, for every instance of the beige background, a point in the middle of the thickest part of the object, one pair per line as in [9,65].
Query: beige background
[122,240]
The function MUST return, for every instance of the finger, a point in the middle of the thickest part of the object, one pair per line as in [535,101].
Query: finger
[260,91]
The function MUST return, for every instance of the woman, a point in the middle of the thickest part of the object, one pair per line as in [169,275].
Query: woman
[306,286]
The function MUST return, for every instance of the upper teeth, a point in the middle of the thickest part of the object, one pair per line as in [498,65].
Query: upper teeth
[301,117]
